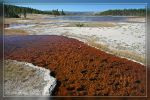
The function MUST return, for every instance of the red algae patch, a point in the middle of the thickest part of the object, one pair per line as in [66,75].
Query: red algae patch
[81,70]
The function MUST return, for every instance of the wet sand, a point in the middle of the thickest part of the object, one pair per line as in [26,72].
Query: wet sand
[81,70]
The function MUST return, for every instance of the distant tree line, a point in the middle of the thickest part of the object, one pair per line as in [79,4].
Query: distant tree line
[124,12]
[17,12]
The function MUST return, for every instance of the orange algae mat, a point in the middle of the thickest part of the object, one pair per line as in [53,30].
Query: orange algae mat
[80,70]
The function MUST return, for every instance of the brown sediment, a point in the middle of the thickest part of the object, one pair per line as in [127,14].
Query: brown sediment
[15,32]
[6,25]
[81,70]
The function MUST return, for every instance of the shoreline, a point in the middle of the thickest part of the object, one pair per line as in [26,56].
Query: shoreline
[111,52]
[100,35]
[114,52]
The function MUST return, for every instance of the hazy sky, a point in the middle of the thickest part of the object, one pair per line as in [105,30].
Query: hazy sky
[81,7]
[76,1]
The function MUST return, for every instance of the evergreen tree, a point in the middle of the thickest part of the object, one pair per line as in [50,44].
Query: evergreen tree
[16,12]
[124,12]
[62,12]
[24,13]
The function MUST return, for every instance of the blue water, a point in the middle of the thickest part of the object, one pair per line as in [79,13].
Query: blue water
[91,18]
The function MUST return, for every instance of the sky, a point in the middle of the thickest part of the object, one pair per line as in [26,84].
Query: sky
[77,1]
[81,7]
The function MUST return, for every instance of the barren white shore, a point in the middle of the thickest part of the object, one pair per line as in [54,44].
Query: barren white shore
[25,79]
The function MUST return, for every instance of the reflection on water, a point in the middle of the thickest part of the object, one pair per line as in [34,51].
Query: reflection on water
[60,20]
[91,18]
[18,25]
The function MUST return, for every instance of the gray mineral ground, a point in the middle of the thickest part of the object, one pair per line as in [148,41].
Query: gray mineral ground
[25,79]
